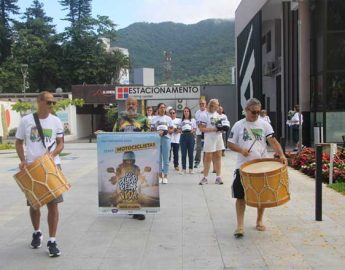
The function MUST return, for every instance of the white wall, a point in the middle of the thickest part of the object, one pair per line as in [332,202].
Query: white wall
[9,118]
[83,122]
[304,73]
[245,11]
[144,76]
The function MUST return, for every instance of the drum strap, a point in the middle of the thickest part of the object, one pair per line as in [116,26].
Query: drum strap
[40,131]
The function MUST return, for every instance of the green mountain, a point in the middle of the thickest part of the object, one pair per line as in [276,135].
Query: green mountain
[201,53]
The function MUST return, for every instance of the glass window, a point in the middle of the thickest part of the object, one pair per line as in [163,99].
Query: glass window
[318,94]
[335,123]
[335,12]
[335,91]
[336,51]
[268,42]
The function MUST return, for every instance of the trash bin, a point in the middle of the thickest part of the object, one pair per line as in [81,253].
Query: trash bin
[318,133]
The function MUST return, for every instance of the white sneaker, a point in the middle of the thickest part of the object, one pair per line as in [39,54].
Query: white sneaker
[183,172]
[165,180]
[160,180]
[203,181]
[191,171]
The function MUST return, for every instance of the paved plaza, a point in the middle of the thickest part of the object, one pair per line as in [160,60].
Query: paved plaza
[193,230]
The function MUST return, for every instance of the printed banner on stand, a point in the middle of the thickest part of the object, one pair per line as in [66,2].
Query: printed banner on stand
[128,169]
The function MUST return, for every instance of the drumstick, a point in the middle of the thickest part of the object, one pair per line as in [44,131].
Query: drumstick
[252,145]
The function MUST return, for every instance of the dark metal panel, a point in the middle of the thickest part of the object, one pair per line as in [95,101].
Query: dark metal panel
[95,93]
[249,63]
[226,94]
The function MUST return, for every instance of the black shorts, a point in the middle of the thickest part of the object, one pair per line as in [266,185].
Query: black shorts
[237,188]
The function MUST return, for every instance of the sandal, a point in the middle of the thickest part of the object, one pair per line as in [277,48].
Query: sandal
[260,228]
[239,233]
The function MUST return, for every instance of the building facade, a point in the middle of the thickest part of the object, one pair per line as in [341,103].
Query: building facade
[292,52]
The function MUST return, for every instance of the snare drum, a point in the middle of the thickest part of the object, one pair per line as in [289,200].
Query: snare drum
[41,181]
[265,182]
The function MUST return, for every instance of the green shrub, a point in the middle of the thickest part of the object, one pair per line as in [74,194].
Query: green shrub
[5,146]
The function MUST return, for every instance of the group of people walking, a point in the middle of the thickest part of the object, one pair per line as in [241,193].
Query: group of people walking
[204,132]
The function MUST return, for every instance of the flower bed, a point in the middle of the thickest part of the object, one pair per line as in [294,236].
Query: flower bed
[305,162]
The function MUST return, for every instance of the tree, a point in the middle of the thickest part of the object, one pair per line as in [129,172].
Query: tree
[79,15]
[36,45]
[85,58]
[10,78]
[7,7]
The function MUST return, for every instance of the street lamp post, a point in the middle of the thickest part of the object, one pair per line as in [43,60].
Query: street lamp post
[24,70]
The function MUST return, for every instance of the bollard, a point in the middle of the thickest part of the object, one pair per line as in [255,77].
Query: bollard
[318,184]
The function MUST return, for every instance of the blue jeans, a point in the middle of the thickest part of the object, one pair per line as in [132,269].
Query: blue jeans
[187,146]
[164,151]
[175,147]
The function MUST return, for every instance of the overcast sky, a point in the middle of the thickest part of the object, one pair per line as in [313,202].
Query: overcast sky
[126,12]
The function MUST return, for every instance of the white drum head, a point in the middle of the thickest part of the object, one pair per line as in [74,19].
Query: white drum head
[263,167]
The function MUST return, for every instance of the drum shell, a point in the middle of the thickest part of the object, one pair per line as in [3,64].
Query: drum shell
[258,187]
[41,181]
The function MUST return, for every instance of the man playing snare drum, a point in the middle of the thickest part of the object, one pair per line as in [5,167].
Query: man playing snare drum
[53,136]
[248,138]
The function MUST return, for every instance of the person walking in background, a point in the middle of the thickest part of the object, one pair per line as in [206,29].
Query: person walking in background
[164,125]
[53,133]
[214,144]
[224,133]
[248,137]
[199,135]
[264,116]
[187,141]
[129,121]
[149,114]
[175,137]
[296,119]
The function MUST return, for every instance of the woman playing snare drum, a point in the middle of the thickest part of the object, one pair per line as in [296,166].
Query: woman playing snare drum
[248,138]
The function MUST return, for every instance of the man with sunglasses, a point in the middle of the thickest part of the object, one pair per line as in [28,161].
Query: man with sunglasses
[248,138]
[53,133]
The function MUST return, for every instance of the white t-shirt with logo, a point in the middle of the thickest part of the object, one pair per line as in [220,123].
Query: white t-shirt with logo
[52,128]
[210,120]
[175,136]
[160,121]
[198,114]
[243,133]
[188,125]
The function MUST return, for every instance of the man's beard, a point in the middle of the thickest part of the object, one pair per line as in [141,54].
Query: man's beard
[131,112]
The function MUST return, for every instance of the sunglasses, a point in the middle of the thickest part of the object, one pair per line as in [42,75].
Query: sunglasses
[254,112]
[50,102]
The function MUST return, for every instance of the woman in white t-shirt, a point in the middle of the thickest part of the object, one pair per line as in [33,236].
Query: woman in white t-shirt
[175,137]
[264,116]
[213,141]
[248,138]
[187,140]
[164,125]
[295,122]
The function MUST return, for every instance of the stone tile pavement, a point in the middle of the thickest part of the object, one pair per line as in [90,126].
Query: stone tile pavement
[193,230]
